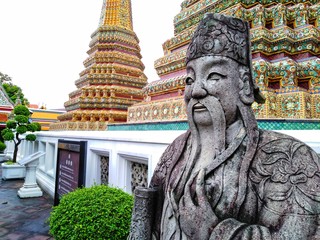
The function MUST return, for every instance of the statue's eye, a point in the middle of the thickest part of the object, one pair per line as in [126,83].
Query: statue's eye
[189,81]
[215,77]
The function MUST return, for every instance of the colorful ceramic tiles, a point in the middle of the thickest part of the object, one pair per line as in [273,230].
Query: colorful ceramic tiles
[154,111]
[183,125]
[113,77]
[285,40]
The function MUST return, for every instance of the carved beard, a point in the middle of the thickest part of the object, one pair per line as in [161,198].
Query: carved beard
[218,128]
[217,132]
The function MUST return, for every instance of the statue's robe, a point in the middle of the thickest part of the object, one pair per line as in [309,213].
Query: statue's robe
[264,186]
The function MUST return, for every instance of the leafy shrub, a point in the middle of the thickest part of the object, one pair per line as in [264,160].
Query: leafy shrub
[98,212]
[11,124]
[7,135]
[21,129]
[31,137]
[21,110]
[37,126]
[3,146]
[21,119]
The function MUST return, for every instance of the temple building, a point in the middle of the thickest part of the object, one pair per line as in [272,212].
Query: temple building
[112,91]
[45,117]
[6,107]
[285,37]
[113,77]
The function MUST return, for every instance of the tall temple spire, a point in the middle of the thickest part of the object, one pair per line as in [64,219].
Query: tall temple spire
[114,15]
[113,77]
[285,40]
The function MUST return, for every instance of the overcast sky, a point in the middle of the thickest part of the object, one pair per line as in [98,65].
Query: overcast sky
[44,43]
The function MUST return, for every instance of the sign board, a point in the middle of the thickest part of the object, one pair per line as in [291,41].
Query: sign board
[70,173]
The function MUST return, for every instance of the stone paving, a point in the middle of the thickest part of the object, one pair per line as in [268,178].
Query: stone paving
[23,219]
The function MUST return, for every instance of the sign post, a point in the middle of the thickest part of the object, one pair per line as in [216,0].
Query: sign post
[70,172]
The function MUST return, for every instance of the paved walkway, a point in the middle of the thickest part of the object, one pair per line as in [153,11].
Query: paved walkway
[22,219]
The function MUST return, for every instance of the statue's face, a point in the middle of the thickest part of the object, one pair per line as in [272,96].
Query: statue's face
[212,81]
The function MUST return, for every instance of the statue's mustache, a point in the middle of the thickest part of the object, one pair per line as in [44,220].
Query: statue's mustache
[208,102]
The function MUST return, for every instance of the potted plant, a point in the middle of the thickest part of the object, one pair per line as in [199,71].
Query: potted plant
[16,126]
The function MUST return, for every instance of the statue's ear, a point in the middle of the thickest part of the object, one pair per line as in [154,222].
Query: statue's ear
[245,86]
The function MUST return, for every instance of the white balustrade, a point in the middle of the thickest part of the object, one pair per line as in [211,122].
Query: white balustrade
[122,148]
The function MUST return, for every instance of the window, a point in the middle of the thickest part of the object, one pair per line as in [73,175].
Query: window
[269,24]
[290,24]
[303,83]
[312,22]
[274,83]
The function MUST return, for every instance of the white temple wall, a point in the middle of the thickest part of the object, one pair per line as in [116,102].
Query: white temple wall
[122,148]
[124,154]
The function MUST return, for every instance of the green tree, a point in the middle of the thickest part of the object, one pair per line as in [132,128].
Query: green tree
[19,125]
[14,92]
[4,78]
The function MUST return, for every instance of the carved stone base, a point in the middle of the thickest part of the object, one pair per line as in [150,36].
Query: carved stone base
[30,192]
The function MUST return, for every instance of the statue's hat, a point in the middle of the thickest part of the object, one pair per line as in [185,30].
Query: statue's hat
[220,35]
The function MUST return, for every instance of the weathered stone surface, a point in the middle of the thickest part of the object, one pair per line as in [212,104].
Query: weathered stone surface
[224,178]
[143,213]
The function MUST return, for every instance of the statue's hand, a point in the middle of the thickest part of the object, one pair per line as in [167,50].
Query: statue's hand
[197,219]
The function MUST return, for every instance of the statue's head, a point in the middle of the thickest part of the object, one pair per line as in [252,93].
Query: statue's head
[219,74]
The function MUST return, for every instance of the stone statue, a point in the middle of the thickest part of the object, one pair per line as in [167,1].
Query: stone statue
[225,178]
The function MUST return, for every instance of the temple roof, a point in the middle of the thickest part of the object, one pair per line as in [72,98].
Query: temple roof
[4,98]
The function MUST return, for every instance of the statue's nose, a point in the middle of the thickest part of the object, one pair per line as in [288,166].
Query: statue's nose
[198,90]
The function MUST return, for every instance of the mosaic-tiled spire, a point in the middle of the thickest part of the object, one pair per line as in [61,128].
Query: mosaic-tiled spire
[285,40]
[116,13]
[113,77]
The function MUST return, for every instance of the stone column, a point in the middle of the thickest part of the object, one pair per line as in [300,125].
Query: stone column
[30,187]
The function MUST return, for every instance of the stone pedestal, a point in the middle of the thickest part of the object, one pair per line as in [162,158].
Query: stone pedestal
[30,187]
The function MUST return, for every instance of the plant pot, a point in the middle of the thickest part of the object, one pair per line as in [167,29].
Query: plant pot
[13,171]
[2,156]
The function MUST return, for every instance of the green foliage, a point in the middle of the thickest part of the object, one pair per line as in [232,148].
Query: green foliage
[20,125]
[21,129]
[15,93]
[98,212]
[7,134]
[21,110]
[10,162]
[37,126]
[11,124]
[3,146]
[4,78]
[31,137]
[4,131]
[21,119]
[32,128]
